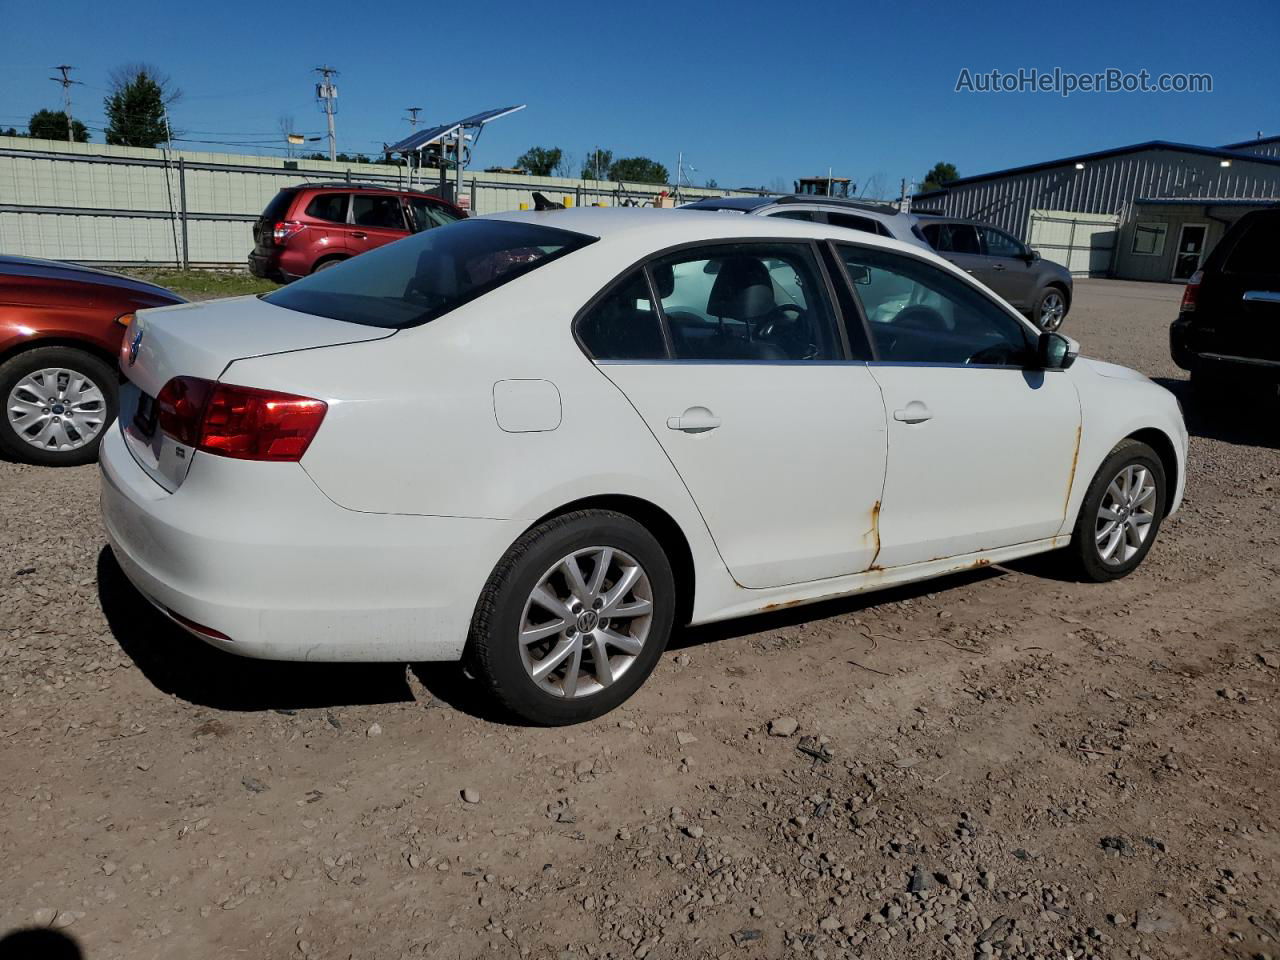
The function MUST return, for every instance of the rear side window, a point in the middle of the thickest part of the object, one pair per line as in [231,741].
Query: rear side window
[424,276]
[331,207]
[377,210]
[1258,249]
[811,216]
[278,208]
[852,222]
[624,325]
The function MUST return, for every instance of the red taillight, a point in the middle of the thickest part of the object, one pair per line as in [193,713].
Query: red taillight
[240,422]
[284,230]
[1190,292]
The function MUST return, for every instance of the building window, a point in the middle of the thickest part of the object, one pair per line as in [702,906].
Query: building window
[1148,238]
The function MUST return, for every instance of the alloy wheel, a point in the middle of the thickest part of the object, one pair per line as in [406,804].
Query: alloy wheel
[585,622]
[1053,310]
[56,409]
[1125,515]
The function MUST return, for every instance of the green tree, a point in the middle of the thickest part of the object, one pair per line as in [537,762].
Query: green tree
[639,170]
[597,164]
[137,104]
[52,125]
[13,132]
[540,161]
[712,185]
[940,174]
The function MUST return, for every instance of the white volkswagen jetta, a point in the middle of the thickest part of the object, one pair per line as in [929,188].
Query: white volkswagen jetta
[538,441]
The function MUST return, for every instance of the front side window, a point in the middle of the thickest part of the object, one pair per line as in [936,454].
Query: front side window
[427,214]
[425,276]
[918,313]
[330,207]
[999,243]
[377,210]
[624,325]
[750,301]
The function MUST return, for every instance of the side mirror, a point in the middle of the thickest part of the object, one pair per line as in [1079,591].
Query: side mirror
[1031,256]
[1056,352]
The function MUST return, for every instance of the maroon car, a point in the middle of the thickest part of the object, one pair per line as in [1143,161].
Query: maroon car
[315,225]
[60,330]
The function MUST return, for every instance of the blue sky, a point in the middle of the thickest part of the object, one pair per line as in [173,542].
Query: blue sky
[753,93]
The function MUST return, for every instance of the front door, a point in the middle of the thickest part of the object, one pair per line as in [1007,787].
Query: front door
[742,377]
[1190,251]
[1007,268]
[376,219]
[981,448]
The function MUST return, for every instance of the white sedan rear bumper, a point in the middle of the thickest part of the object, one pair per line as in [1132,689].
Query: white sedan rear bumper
[256,552]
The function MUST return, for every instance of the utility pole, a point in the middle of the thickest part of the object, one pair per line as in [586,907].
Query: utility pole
[413,116]
[904,202]
[66,82]
[327,91]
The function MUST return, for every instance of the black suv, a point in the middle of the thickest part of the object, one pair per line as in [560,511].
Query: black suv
[1229,323]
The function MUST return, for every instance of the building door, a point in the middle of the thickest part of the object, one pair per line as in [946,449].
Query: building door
[1190,250]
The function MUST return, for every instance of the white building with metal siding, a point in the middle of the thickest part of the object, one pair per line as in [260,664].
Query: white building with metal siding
[1075,196]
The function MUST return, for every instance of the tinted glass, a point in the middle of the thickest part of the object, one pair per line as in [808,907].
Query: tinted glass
[425,276]
[1000,244]
[1258,250]
[624,325]
[372,210]
[812,216]
[920,314]
[758,301]
[963,238]
[278,208]
[934,236]
[329,206]
[427,214]
[851,222]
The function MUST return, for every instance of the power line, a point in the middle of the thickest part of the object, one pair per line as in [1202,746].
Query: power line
[66,82]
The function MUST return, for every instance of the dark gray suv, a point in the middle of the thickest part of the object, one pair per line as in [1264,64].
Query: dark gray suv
[1039,288]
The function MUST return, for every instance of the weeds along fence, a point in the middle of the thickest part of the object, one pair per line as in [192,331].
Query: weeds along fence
[131,206]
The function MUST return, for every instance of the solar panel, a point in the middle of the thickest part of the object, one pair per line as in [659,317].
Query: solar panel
[416,141]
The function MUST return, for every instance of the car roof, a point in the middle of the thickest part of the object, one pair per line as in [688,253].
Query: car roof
[12,265]
[354,186]
[748,204]
[664,228]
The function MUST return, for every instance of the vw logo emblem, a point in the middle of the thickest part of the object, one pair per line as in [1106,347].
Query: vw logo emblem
[134,342]
[588,620]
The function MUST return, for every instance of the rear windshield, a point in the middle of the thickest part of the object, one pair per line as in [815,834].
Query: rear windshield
[278,208]
[428,274]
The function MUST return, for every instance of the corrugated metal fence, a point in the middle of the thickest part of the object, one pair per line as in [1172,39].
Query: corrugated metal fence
[121,205]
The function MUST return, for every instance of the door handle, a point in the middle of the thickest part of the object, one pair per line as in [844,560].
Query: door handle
[694,420]
[913,412]
[358,235]
[1261,296]
[998,266]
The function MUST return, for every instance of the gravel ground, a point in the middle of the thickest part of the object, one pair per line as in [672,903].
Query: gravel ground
[1001,764]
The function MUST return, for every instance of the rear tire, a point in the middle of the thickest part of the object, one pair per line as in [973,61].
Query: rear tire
[1119,518]
[70,391]
[608,632]
[326,264]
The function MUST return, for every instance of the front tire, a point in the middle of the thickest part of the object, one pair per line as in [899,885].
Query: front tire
[58,403]
[1050,309]
[574,618]
[1121,513]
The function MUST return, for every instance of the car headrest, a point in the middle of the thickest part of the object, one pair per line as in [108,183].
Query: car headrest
[742,290]
[664,279]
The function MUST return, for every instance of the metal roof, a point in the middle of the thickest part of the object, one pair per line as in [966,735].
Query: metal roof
[1210,201]
[1250,143]
[1222,152]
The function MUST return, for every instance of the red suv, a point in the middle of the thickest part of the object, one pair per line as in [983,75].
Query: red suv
[315,225]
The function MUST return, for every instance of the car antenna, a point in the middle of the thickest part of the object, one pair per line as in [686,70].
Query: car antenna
[542,203]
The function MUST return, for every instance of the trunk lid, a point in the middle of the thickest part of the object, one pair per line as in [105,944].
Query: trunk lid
[202,340]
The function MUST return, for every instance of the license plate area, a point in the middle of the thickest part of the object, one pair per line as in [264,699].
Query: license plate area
[146,416]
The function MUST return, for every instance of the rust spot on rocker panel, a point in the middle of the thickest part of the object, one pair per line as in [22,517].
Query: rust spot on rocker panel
[874,533]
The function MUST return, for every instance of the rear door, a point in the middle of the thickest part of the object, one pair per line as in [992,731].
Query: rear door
[981,448]
[376,219]
[1240,296]
[958,243]
[741,374]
